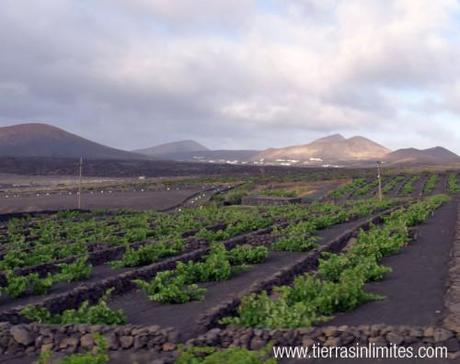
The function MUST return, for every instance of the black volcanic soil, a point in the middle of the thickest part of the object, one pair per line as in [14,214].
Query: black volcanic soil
[396,191]
[418,186]
[99,272]
[441,187]
[414,290]
[43,166]
[334,231]
[140,310]
[157,200]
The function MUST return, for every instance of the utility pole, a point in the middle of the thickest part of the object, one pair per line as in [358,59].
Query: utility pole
[379,177]
[79,183]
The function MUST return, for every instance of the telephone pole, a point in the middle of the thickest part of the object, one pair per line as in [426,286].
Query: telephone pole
[79,183]
[379,177]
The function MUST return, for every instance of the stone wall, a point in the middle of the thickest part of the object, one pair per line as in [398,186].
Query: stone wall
[100,256]
[70,338]
[446,334]
[4,218]
[284,276]
[452,297]
[379,335]
[121,283]
[35,338]
[269,200]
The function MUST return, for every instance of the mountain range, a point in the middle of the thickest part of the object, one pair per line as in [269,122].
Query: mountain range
[44,140]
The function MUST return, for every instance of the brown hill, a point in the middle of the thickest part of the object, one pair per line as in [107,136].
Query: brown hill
[331,149]
[43,140]
[412,156]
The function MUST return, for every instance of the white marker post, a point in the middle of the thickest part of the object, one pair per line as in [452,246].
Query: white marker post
[379,177]
[79,183]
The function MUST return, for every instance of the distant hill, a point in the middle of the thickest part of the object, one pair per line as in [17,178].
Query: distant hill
[43,140]
[191,151]
[412,156]
[218,156]
[169,149]
[331,149]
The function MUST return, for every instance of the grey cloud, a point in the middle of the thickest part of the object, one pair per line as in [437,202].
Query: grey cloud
[137,73]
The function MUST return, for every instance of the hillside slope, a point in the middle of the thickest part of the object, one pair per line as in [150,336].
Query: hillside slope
[413,156]
[331,149]
[169,149]
[43,140]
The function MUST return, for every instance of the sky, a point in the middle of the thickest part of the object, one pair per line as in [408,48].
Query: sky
[234,74]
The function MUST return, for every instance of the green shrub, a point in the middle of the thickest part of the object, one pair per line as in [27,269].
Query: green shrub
[98,314]
[99,356]
[168,287]
[297,237]
[179,285]
[338,285]
[430,184]
[408,187]
[452,184]
[79,270]
[246,254]
[348,188]
[278,192]
[18,286]
[150,253]
[208,355]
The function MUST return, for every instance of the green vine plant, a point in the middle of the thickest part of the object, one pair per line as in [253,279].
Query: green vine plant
[79,270]
[338,285]
[98,356]
[98,314]
[180,285]
[18,286]
[210,355]
[150,253]
[452,184]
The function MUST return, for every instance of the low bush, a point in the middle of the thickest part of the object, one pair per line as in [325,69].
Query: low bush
[180,285]
[98,356]
[209,355]
[98,314]
[338,285]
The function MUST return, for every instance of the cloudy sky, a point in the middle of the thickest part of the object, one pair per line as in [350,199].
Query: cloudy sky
[234,73]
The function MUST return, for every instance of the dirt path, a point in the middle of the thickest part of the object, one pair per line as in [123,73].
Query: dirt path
[414,290]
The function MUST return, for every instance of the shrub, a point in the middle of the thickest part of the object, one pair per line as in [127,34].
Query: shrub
[246,254]
[168,287]
[208,355]
[76,271]
[98,314]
